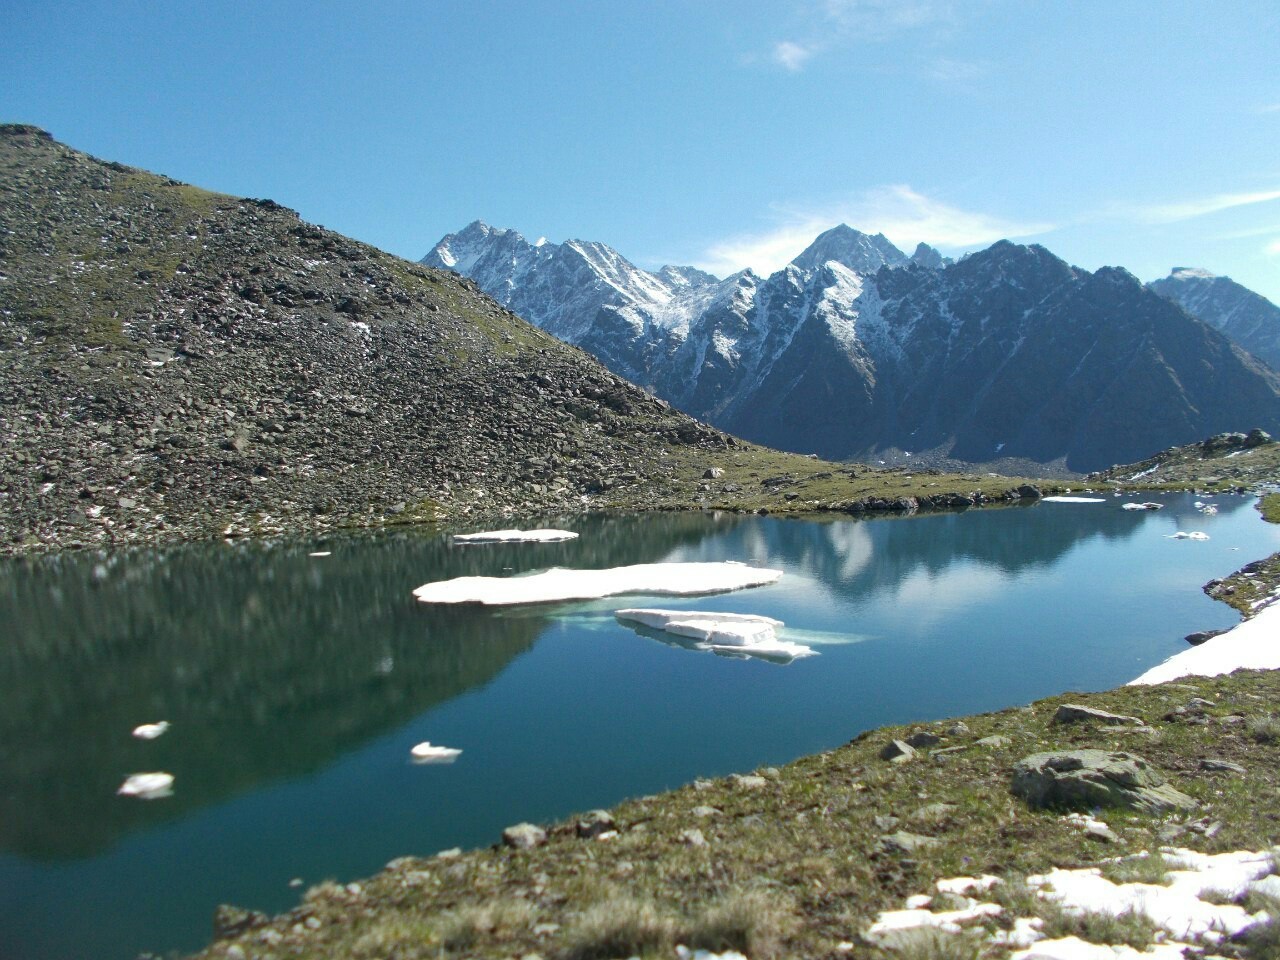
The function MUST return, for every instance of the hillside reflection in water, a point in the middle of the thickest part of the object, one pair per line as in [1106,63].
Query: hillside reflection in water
[296,684]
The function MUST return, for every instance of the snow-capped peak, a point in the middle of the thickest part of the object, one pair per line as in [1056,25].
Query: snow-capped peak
[858,251]
[1190,273]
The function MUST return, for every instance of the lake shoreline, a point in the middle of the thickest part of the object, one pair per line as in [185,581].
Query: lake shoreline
[682,859]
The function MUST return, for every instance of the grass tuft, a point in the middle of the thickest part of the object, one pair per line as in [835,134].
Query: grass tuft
[465,927]
[753,922]
[1151,868]
[1134,929]
[620,927]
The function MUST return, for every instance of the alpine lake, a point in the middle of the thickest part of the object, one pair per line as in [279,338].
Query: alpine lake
[296,685]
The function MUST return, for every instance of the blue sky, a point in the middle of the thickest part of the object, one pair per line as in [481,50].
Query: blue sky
[722,134]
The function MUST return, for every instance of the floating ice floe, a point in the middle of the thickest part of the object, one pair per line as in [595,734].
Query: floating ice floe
[1142,506]
[1184,535]
[321,553]
[559,584]
[1065,499]
[428,752]
[147,786]
[149,731]
[1249,645]
[730,634]
[515,536]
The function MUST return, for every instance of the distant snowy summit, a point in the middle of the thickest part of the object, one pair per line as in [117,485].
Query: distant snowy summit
[856,350]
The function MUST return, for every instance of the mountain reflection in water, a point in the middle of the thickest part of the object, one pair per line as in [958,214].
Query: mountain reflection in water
[296,686]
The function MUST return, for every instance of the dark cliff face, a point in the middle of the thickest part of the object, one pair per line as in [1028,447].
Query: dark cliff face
[181,363]
[1250,320]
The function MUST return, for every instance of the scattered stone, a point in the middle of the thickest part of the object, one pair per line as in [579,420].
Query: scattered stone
[1075,713]
[897,751]
[1200,636]
[692,838]
[903,842]
[995,742]
[594,824]
[1210,765]
[958,729]
[748,781]
[1095,778]
[703,810]
[524,836]
[230,921]
[923,739]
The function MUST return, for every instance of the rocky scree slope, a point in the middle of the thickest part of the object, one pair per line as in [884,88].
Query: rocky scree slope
[855,350]
[183,364]
[1249,319]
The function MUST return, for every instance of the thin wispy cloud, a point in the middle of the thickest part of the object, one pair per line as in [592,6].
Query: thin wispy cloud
[902,214]
[959,71]
[792,56]
[1270,108]
[1272,249]
[836,24]
[1199,207]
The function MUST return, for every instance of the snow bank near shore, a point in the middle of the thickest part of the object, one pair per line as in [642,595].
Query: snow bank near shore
[1253,645]
[559,584]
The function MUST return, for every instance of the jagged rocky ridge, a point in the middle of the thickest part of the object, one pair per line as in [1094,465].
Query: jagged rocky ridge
[854,349]
[1249,319]
[180,364]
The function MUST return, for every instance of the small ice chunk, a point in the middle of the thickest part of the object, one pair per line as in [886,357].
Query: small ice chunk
[965,885]
[734,634]
[559,584]
[515,536]
[1184,535]
[896,922]
[321,553]
[147,786]
[149,731]
[1142,506]
[1065,499]
[428,752]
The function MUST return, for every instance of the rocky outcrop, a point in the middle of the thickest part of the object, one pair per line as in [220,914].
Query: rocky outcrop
[184,364]
[1095,778]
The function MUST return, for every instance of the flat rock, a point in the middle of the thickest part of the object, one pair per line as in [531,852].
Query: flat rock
[595,823]
[1095,778]
[1210,765]
[1076,713]
[904,842]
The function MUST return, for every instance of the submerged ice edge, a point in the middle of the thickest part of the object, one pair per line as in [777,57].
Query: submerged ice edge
[560,584]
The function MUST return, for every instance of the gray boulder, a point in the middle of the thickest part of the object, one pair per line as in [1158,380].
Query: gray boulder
[1075,713]
[1095,778]
[524,836]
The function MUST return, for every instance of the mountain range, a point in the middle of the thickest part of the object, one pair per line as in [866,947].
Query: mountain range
[855,350]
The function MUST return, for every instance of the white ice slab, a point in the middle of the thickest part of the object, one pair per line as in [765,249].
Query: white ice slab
[428,752]
[515,536]
[149,731]
[147,786]
[558,584]
[734,633]
[1184,535]
[1253,645]
[1064,499]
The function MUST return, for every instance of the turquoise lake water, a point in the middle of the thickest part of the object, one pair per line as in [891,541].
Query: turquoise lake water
[296,686]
